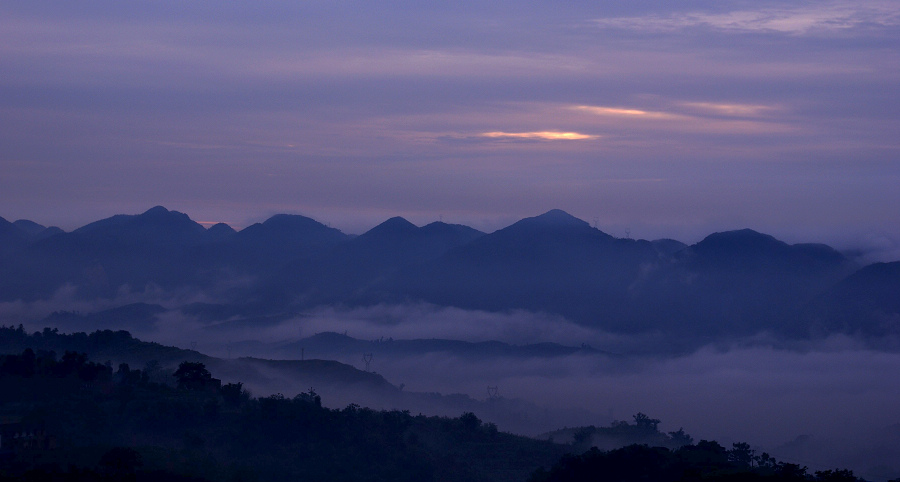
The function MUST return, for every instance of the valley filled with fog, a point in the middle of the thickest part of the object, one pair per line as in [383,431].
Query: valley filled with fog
[811,384]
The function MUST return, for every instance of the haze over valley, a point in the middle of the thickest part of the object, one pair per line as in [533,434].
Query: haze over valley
[737,337]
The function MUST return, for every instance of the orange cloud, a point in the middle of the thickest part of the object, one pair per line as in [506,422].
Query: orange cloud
[546,135]
[620,112]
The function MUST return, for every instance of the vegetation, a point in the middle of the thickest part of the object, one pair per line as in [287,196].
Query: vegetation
[85,421]
[68,418]
[707,460]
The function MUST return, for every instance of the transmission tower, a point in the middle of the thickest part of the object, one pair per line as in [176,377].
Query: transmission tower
[367,358]
[493,393]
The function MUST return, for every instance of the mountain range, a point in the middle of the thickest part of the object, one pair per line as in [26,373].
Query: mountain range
[728,284]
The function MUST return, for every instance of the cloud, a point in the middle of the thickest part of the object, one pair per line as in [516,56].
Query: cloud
[697,117]
[807,19]
[625,112]
[544,135]
[731,109]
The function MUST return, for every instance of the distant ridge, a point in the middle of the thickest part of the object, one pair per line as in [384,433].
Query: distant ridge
[335,345]
[289,231]
[730,283]
[220,232]
[552,218]
[157,225]
[395,227]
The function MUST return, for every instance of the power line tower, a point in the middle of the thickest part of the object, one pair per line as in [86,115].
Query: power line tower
[367,358]
[493,393]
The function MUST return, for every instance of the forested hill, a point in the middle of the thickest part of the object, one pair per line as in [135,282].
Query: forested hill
[339,383]
[70,419]
[80,420]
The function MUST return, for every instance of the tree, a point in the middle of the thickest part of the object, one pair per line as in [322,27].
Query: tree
[680,438]
[234,393]
[192,375]
[741,454]
[645,423]
[310,397]
[838,475]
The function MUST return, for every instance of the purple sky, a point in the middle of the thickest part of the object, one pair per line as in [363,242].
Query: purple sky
[660,118]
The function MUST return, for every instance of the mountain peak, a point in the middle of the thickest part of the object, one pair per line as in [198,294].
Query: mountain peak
[740,238]
[397,221]
[284,218]
[291,221]
[220,231]
[156,225]
[30,227]
[554,218]
[156,211]
[289,231]
[396,224]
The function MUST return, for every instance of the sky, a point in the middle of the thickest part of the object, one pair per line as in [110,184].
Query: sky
[647,118]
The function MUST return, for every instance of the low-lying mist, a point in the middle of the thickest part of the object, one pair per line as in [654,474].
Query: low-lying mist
[822,403]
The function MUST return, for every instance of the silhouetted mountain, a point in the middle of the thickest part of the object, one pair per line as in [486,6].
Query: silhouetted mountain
[552,219]
[743,281]
[49,232]
[553,262]
[403,242]
[279,240]
[866,302]
[220,232]
[35,231]
[395,228]
[126,317]
[12,238]
[30,228]
[101,257]
[354,271]
[730,283]
[290,232]
[668,246]
[156,226]
[337,346]
[746,249]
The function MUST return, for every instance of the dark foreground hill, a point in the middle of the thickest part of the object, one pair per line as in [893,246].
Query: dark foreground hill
[340,383]
[72,419]
[69,418]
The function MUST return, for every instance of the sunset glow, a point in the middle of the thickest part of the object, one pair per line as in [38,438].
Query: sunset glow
[620,112]
[546,135]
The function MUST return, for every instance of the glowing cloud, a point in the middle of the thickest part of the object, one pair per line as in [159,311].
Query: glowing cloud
[818,16]
[620,112]
[546,135]
[730,109]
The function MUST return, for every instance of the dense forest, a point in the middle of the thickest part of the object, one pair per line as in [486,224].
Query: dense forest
[65,417]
